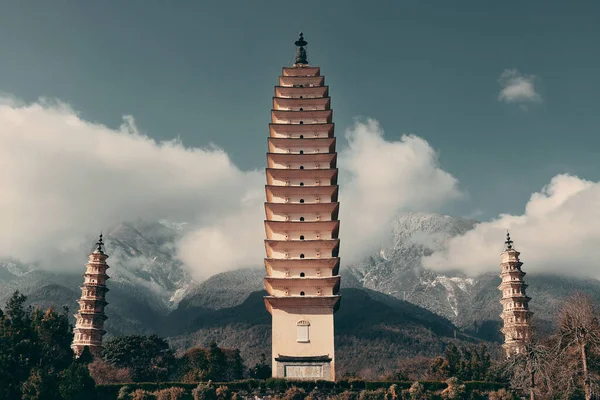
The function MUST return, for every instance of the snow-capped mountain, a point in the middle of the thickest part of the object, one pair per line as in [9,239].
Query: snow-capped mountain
[397,270]
[143,257]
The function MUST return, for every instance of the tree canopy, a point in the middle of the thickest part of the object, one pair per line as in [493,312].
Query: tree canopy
[36,360]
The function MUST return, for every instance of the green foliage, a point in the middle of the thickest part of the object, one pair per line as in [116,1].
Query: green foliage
[123,393]
[393,393]
[416,391]
[467,364]
[172,393]
[39,386]
[223,393]
[261,370]
[277,384]
[502,394]
[294,393]
[36,360]
[216,364]
[313,390]
[455,390]
[141,394]
[236,370]
[76,383]
[204,392]
[372,394]
[148,358]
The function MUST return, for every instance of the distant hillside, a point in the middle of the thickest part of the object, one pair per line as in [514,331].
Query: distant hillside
[373,331]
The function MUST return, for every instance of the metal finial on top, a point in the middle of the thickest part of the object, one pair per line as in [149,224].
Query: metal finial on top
[508,242]
[301,57]
[100,244]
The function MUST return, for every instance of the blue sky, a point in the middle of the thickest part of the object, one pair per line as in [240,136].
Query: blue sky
[205,71]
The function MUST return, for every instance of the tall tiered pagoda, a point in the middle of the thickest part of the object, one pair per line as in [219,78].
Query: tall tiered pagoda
[515,303]
[89,326]
[301,225]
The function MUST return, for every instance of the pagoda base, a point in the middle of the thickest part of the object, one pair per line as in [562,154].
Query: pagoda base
[95,349]
[309,368]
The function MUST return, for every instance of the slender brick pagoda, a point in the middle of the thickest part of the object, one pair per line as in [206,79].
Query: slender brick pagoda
[301,225]
[515,303]
[89,326]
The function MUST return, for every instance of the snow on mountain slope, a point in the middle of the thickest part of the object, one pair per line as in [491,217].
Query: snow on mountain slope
[397,270]
[143,256]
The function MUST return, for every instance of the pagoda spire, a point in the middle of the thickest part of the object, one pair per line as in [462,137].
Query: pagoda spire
[100,244]
[301,57]
[508,242]
[89,325]
[515,302]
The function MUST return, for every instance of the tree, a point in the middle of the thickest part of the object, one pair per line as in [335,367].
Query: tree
[453,358]
[236,366]
[530,366]
[579,329]
[467,363]
[261,370]
[217,365]
[148,358]
[36,360]
[199,364]
[103,372]
[39,386]
[76,383]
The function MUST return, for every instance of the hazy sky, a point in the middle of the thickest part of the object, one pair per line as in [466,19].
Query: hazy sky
[205,71]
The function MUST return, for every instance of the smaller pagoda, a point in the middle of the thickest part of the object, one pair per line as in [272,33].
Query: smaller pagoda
[89,326]
[515,302]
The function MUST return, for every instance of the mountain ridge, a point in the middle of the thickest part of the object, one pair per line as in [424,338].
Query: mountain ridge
[152,292]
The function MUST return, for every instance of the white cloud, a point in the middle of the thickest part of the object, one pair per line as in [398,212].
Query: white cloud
[380,178]
[558,233]
[518,88]
[64,179]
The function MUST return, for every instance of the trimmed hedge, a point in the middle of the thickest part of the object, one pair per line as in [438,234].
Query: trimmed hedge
[275,385]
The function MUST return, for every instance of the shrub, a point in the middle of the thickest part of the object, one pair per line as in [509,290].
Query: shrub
[346,395]
[142,394]
[372,394]
[455,390]
[103,372]
[223,393]
[316,394]
[276,384]
[172,393]
[194,376]
[294,393]
[502,394]
[204,392]
[393,393]
[416,391]
[124,393]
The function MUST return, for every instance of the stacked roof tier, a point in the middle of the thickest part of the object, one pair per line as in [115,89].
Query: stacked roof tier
[301,223]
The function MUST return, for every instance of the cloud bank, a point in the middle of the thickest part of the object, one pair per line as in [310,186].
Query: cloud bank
[558,233]
[65,178]
[518,88]
[381,178]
